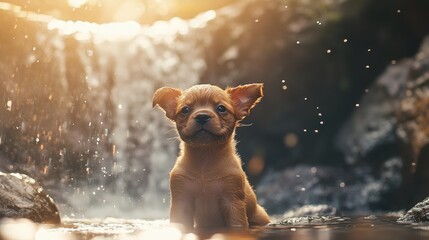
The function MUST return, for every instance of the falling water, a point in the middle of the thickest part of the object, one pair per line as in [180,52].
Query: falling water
[110,151]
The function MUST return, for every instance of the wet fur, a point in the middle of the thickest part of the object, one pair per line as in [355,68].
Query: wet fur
[207,184]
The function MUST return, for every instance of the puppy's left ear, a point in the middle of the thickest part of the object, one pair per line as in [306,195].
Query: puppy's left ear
[167,98]
[245,97]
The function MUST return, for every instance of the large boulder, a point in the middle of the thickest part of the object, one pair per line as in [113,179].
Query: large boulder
[392,121]
[22,197]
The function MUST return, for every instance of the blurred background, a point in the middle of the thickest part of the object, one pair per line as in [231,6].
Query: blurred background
[344,120]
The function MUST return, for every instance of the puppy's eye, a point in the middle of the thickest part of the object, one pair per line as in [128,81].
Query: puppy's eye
[185,110]
[221,108]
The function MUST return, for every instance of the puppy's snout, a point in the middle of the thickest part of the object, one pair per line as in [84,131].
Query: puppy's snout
[202,118]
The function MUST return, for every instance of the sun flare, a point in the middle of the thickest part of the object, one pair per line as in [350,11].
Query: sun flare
[76,3]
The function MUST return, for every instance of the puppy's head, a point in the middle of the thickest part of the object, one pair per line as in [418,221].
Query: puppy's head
[206,114]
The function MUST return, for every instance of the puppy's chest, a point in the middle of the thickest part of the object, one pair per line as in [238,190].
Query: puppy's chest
[201,186]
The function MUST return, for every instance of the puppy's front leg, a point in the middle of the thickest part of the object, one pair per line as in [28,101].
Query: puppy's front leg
[233,204]
[182,204]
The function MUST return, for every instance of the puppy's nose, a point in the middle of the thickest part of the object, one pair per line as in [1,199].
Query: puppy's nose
[202,118]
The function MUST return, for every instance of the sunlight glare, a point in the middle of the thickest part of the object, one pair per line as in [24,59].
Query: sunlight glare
[99,32]
[17,229]
[76,3]
[170,233]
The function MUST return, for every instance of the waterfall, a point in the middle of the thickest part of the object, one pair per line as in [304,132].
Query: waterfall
[96,138]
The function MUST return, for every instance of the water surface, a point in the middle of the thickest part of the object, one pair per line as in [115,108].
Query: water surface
[369,227]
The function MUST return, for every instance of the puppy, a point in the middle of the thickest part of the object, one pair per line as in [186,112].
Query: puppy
[208,186]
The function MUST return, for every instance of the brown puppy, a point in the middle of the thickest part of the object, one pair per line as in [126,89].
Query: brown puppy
[207,184]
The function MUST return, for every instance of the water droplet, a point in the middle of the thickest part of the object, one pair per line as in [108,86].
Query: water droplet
[298,176]
[283,81]
[285,6]
[284,87]
[293,229]
[305,99]
[345,40]
[398,11]
[316,131]
[366,90]
[303,189]
[34,48]
[328,51]
[357,105]
[342,184]
[320,114]
[256,20]
[321,122]
[9,105]
[367,66]
[313,170]
[26,36]
[369,49]
[319,23]
[393,62]
[305,130]
[120,106]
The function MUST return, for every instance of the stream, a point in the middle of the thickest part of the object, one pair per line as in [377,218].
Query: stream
[332,228]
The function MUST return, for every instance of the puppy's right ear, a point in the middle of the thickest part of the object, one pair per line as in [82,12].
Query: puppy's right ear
[167,98]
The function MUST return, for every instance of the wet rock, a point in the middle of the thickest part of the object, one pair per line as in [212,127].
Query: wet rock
[419,213]
[349,191]
[22,197]
[372,126]
[312,210]
[392,121]
[413,126]
[305,220]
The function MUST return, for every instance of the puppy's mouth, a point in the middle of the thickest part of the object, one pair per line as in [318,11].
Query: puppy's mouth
[202,137]
[204,130]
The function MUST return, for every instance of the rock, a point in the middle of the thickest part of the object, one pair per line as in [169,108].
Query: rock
[312,210]
[392,121]
[413,127]
[418,213]
[22,197]
[349,191]
[306,220]
[372,126]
